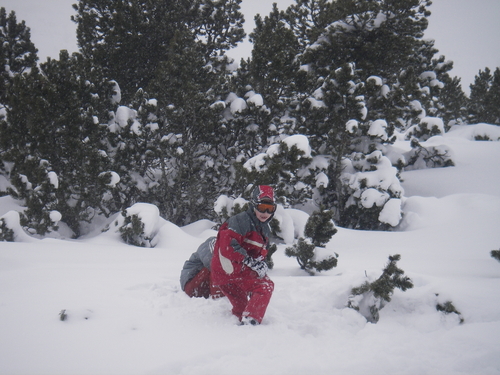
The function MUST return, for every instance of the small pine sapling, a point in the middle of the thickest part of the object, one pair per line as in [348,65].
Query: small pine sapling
[495,254]
[369,298]
[319,230]
[449,308]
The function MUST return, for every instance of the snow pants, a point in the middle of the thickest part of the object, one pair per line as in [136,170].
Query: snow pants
[201,286]
[249,297]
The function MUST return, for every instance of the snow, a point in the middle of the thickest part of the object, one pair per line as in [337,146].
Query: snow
[54,180]
[126,313]
[378,129]
[301,142]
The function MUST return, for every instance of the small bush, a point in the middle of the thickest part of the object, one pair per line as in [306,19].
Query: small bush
[319,230]
[132,231]
[369,298]
[449,308]
[304,251]
[6,233]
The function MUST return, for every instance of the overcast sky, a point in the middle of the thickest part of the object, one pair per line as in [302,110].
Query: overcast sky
[465,31]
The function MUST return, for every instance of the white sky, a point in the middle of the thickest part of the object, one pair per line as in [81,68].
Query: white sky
[466,31]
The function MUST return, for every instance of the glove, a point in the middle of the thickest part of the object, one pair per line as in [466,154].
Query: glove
[256,265]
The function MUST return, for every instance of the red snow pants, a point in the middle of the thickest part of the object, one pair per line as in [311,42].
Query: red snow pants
[249,296]
[201,286]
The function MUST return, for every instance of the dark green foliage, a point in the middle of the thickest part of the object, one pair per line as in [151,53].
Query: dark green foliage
[449,308]
[130,40]
[484,98]
[6,233]
[273,65]
[51,127]
[38,191]
[495,254]
[183,145]
[132,231]
[369,298]
[453,103]
[17,52]
[319,230]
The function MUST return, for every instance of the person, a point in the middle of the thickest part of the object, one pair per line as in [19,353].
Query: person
[195,275]
[238,263]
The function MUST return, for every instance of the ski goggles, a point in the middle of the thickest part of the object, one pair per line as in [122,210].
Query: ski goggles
[266,208]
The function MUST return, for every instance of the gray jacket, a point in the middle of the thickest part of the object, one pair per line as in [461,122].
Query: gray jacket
[199,259]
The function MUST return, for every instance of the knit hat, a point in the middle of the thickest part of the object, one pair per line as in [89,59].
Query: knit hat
[262,193]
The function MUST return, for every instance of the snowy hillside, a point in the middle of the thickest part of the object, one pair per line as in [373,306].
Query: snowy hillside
[126,313]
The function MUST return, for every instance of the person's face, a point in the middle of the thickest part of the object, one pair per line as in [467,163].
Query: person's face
[262,216]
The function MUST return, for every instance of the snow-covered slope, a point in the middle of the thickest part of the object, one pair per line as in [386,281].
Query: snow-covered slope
[127,315]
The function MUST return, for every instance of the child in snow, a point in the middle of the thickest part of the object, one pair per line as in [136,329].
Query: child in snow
[195,275]
[238,265]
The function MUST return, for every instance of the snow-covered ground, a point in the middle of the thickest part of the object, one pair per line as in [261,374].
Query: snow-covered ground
[126,313]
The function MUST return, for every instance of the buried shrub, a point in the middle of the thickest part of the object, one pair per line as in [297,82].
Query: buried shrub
[449,308]
[6,233]
[369,298]
[495,254]
[319,230]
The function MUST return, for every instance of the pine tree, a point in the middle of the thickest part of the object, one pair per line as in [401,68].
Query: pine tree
[18,54]
[320,228]
[131,39]
[484,98]
[318,231]
[273,64]
[53,121]
[453,103]
[369,298]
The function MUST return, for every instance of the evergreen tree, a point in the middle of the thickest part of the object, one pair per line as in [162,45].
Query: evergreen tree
[273,64]
[6,233]
[369,298]
[17,53]
[484,98]
[320,228]
[131,39]
[53,121]
[453,103]
[318,231]
[379,36]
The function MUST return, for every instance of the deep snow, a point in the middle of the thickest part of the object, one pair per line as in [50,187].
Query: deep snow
[127,315]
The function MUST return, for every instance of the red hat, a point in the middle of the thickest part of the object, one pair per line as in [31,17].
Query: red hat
[263,193]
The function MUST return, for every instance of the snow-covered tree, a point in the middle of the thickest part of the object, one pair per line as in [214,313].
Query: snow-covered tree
[421,157]
[372,192]
[318,231]
[273,64]
[55,118]
[369,298]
